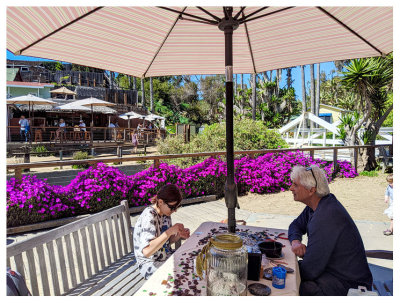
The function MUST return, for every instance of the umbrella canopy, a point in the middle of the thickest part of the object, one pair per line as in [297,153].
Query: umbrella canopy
[154,41]
[73,107]
[131,115]
[30,99]
[159,41]
[62,91]
[153,117]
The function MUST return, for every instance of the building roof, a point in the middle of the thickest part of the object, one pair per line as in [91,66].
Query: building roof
[334,108]
[28,84]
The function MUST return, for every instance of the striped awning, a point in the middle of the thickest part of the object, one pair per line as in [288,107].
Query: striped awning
[154,41]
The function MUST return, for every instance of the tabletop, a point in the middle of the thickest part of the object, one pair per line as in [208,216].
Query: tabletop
[177,275]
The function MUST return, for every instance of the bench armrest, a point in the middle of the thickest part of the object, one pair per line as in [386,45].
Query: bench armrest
[379,254]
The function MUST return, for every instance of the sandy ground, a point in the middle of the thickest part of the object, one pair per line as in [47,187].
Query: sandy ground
[363,197]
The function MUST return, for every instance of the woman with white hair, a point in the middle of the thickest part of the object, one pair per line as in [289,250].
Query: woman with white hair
[334,259]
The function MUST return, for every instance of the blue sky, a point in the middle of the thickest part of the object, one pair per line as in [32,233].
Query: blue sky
[296,72]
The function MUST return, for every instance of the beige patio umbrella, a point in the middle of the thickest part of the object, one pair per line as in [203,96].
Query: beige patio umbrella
[63,91]
[160,41]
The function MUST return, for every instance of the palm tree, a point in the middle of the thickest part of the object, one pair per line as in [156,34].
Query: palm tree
[312,91]
[371,79]
[303,90]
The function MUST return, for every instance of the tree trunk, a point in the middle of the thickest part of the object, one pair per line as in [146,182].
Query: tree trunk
[289,77]
[317,92]
[253,96]
[303,90]
[151,96]
[312,93]
[143,98]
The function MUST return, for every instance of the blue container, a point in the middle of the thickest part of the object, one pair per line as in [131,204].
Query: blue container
[278,277]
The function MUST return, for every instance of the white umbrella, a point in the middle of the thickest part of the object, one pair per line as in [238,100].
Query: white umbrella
[74,107]
[131,115]
[152,117]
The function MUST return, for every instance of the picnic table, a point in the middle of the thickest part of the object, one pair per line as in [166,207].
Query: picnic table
[177,275]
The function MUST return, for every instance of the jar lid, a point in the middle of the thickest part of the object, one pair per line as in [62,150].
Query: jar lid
[227,241]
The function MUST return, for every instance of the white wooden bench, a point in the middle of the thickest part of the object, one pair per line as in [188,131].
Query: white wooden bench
[91,256]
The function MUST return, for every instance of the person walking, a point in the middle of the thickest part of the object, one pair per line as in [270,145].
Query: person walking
[24,128]
[389,199]
[134,142]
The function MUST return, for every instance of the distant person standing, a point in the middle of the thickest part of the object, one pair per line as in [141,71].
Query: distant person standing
[134,142]
[24,128]
[389,199]
[112,133]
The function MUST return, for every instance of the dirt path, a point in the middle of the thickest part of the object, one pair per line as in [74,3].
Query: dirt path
[363,197]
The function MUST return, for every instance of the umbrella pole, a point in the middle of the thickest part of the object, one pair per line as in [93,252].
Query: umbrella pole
[228,26]
[91,130]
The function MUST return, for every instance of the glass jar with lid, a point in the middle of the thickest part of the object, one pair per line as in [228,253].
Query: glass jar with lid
[226,266]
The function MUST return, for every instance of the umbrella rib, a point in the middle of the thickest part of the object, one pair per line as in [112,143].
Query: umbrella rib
[186,14]
[239,12]
[208,13]
[264,15]
[350,30]
[252,14]
[198,21]
[58,29]
[248,41]
[166,37]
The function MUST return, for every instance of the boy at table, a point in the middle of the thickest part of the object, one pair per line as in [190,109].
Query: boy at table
[334,259]
[154,232]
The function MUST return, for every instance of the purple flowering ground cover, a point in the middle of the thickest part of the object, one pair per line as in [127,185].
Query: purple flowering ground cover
[32,200]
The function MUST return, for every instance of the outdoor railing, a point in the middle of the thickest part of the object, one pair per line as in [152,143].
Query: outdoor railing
[18,168]
[71,135]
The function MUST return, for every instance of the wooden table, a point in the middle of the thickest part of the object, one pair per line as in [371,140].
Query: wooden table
[161,283]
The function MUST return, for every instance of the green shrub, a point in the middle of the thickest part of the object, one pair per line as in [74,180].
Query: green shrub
[248,135]
[80,155]
[372,173]
[42,150]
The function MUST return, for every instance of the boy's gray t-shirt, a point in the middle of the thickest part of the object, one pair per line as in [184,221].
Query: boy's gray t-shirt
[149,226]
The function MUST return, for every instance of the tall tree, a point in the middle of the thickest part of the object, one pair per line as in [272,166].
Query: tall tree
[303,90]
[143,97]
[151,96]
[253,96]
[371,79]
[317,97]
[312,92]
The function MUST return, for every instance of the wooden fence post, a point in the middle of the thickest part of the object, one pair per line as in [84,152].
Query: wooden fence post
[156,163]
[18,173]
[312,154]
[335,160]
[355,158]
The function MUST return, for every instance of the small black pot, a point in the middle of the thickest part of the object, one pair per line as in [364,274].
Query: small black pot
[271,249]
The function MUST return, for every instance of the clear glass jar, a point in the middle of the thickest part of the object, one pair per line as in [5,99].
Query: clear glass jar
[226,266]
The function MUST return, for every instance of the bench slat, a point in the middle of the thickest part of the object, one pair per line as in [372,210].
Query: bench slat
[379,286]
[111,233]
[106,244]
[123,234]
[95,260]
[63,267]
[32,272]
[53,268]
[71,262]
[130,283]
[100,245]
[86,254]
[43,270]
[118,236]
[129,234]
[19,264]
[78,256]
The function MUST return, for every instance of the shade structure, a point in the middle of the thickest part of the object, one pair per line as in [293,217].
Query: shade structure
[160,41]
[153,117]
[73,107]
[131,115]
[152,41]
[62,91]
[30,99]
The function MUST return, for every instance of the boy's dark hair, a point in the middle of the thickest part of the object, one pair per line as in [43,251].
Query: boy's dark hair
[168,193]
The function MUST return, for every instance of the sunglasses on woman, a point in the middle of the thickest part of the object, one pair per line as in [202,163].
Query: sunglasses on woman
[173,207]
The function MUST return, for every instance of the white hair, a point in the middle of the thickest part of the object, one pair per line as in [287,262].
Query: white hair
[307,180]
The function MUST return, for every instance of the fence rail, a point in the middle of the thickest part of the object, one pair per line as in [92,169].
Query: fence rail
[18,168]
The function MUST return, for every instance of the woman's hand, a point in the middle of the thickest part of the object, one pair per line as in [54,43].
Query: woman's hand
[174,230]
[185,233]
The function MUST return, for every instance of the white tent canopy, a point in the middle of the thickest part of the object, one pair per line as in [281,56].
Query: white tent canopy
[131,115]
[153,117]
[30,99]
